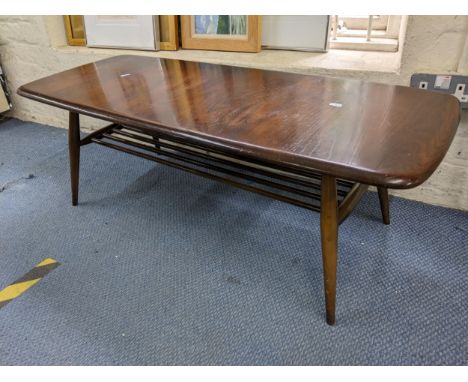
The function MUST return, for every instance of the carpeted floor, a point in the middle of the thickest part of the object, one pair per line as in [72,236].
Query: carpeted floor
[163,267]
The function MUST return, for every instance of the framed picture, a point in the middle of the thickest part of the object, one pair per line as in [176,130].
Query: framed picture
[130,32]
[74,28]
[308,33]
[235,33]
[168,32]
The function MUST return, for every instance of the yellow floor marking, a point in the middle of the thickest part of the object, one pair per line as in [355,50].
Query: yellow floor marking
[22,284]
[46,262]
[13,291]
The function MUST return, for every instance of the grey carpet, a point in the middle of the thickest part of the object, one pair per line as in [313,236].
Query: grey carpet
[163,267]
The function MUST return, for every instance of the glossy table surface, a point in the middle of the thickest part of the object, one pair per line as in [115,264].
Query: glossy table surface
[377,134]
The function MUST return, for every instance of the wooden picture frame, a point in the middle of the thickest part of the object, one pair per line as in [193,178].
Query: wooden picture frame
[250,43]
[168,32]
[74,29]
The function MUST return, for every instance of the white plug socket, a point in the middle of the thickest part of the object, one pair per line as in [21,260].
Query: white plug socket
[460,93]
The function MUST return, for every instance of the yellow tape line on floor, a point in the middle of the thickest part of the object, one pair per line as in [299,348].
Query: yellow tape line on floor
[21,285]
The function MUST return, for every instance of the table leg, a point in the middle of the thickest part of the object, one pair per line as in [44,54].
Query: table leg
[329,237]
[384,208]
[74,153]
[156,143]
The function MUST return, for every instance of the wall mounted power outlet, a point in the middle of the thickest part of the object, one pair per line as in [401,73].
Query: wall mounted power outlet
[460,93]
[454,85]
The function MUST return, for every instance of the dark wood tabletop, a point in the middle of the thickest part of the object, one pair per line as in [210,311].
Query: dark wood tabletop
[384,135]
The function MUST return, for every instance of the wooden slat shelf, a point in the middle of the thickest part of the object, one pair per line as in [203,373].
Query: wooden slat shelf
[289,186]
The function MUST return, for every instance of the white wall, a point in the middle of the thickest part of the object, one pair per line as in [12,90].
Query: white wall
[34,46]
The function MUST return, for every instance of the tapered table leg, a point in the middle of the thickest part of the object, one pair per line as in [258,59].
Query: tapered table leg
[74,154]
[384,207]
[329,237]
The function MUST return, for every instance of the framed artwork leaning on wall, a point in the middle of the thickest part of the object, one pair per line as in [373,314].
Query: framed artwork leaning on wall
[234,33]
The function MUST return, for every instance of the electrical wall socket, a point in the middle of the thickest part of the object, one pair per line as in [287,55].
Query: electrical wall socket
[460,93]
[454,85]
[423,85]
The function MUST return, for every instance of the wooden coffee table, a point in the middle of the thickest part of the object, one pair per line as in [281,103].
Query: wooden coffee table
[316,142]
